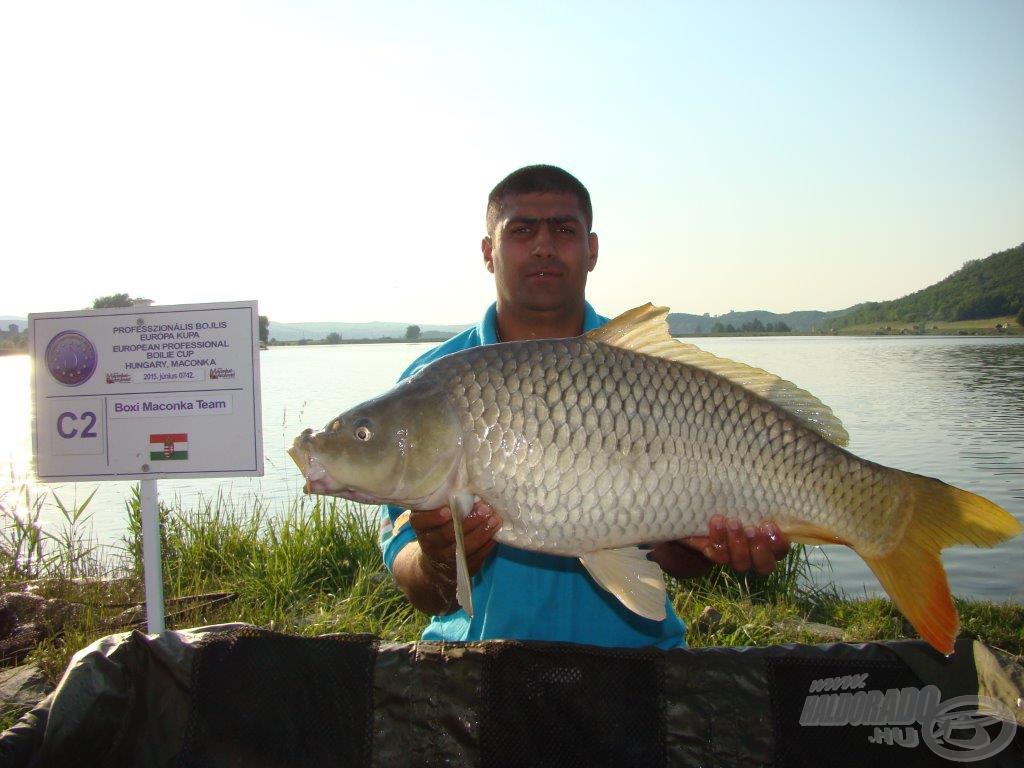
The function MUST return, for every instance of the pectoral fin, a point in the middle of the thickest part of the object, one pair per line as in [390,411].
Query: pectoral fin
[461,503]
[627,573]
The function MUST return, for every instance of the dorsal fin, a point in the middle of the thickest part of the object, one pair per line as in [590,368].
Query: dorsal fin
[645,330]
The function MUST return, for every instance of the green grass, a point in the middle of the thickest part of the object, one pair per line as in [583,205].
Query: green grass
[316,568]
[985,327]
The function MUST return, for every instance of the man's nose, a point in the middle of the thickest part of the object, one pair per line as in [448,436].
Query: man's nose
[544,242]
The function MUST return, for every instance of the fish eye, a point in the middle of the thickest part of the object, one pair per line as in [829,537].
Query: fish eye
[363,433]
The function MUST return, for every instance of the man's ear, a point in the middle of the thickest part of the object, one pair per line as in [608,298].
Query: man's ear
[592,261]
[486,247]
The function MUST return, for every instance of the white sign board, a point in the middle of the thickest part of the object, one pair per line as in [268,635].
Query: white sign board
[147,392]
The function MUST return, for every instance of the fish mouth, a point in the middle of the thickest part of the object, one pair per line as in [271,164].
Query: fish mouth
[318,481]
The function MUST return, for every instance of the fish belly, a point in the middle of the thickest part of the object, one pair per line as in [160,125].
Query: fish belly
[581,446]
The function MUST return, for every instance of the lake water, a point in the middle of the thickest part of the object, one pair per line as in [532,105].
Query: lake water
[946,407]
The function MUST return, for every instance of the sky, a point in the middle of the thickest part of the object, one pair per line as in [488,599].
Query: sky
[332,160]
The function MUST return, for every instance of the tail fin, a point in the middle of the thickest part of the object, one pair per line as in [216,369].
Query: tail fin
[940,516]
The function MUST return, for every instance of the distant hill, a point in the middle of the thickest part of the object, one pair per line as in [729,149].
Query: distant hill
[682,324]
[980,289]
[349,331]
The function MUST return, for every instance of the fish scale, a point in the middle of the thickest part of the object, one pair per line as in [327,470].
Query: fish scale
[589,446]
[660,448]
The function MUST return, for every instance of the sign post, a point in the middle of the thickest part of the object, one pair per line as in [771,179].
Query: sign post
[147,393]
[152,562]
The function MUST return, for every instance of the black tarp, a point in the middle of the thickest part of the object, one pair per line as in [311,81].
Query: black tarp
[235,695]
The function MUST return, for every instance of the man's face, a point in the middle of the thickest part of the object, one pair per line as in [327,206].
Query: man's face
[540,251]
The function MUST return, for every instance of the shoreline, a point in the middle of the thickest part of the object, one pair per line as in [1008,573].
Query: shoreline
[795,335]
[791,335]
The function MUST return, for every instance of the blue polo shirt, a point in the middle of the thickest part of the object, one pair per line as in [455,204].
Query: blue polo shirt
[524,595]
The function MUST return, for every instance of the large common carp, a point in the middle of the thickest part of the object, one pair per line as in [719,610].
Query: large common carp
[589,446]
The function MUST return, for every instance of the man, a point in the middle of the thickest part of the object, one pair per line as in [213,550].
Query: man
[540,247]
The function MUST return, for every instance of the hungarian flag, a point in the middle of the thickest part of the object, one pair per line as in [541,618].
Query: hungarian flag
[163,447]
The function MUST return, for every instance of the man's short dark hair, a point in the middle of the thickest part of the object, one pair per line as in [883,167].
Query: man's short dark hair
[538,178]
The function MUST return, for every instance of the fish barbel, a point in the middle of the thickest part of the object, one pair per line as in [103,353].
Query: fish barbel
[589,446]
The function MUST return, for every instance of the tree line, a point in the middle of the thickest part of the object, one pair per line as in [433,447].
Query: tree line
[755,326]
[412,333]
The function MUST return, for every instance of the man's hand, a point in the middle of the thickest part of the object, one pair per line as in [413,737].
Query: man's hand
[436,535]
[425,568]
[727,543]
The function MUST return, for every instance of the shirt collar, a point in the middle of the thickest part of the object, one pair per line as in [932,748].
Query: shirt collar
[488,326]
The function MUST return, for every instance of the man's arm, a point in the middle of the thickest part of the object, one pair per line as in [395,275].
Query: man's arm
[425,568]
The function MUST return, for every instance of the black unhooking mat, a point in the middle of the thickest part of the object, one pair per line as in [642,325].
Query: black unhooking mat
[235,695]
[260,698]
[542,706]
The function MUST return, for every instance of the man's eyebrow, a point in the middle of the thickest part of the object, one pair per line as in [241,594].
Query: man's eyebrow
[549,219]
